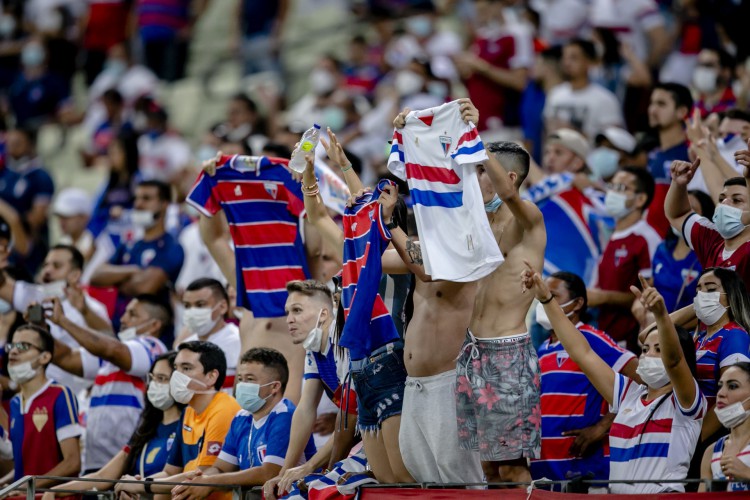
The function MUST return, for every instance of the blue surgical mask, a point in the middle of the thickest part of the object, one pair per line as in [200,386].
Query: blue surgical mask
[115,67]
[334,117]
[603,163]
[32,55]
[493,205]
[728,221]
[5,307]
[247,395]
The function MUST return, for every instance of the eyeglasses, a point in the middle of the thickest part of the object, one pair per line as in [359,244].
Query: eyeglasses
[159,379]
[620,188]
[21,347]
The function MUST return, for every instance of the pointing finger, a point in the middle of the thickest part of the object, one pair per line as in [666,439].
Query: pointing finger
[644,284]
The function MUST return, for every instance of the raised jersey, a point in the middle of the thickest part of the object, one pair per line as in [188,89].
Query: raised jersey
[437,153]
[263,206]
[724,348]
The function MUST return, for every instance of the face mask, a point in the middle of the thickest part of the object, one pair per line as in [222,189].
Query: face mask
[32,55]
[408,83]
[313,341]
[543,319]
[7,25]
[115,67]
[322,81]
[22,372]
[652,372]
[205,152]
[493,205]
[142,218]
[603,163]
[247,395]
[704,79]
[419,26]
[732,415]
[334,117]
[127,334]
[728,221]
[199,320]
[178,387]
[140,121]
[708,307]
[55,289]
[5,306]
[159,395]
[616,204]
[438,89]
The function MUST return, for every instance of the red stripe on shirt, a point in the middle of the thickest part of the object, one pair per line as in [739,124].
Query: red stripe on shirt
[271,279]
[468,136]
[662,425]
[271,233]
[120,376]
[432,174]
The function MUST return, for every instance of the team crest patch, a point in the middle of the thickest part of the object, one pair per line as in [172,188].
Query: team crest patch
[562,357]
[40,418]
[147,256]
[213,448]
[445,143]
[272,189]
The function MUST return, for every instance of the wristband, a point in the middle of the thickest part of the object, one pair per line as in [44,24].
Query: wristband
[391,225]
[147,484]
[548,300]
[347,168]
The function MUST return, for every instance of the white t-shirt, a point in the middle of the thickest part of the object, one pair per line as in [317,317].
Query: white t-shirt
[561,19]
[590,109]
[630,19]
[24,294]
[228,339]
[651,444]
[198,262]
[437,153]
[164,157]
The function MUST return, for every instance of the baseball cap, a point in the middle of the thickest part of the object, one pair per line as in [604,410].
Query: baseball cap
[570,139]
[619,138]
[72,201]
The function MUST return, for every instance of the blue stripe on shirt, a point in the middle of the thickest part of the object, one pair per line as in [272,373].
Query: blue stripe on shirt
[644,450]
[433,199]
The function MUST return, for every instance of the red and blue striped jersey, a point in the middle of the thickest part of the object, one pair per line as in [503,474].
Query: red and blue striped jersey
[569,401]
[263,206]
[368,322]
[724,348]
[38,425]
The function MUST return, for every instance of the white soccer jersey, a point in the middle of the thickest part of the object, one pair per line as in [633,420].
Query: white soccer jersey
[437,153]
[647,442]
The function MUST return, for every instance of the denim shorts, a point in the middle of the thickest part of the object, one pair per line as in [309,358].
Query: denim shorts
[379,381]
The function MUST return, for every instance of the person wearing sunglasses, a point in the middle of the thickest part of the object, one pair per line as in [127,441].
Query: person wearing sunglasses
[44,429]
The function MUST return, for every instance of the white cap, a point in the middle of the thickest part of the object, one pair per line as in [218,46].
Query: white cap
[620,138]
[570,139]
[72,201]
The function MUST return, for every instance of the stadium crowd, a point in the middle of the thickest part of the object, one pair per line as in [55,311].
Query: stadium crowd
[519,252]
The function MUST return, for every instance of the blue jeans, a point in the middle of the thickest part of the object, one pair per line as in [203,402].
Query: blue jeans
[379,381]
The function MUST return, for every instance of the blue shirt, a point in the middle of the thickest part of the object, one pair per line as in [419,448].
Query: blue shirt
[532,106]
[323,367]
[33,101]
[251,443]
[673,276]
[154,455]
[164,252]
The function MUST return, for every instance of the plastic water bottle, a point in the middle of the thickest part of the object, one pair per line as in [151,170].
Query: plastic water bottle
[307,144]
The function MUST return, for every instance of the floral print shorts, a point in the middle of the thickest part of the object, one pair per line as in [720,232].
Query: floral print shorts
[497,398]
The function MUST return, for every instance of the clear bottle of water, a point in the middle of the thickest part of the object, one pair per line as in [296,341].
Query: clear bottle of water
[307,144]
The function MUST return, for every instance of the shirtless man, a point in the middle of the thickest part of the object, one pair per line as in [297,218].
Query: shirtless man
[428,436]
[497,387]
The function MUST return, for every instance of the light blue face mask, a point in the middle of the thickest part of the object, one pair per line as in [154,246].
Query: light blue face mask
[728,221]
[247,395]
[493,205]
[334,117]
[603,163]
[5,307]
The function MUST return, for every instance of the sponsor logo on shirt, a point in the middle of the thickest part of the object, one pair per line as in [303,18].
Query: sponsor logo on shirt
[213,448]
[620,255]
[187,428]
[237,190]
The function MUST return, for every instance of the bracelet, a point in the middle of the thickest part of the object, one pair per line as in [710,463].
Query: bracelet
[311,193]
[310,187]
[548,300]
[348,167]
[147,485]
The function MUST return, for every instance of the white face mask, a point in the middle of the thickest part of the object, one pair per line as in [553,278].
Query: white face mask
[704,79]
[178,387]
[652,372]
[732,415]
[127,334]
[54,290]
[159,395]
[616,204]
[408,82]
[199,320]
[543,319]
[322,81]
[708,307]
[22,372]
[314,340]
[142,218]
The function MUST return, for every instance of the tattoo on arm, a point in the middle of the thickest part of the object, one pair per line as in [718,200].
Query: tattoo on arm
[414,252]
